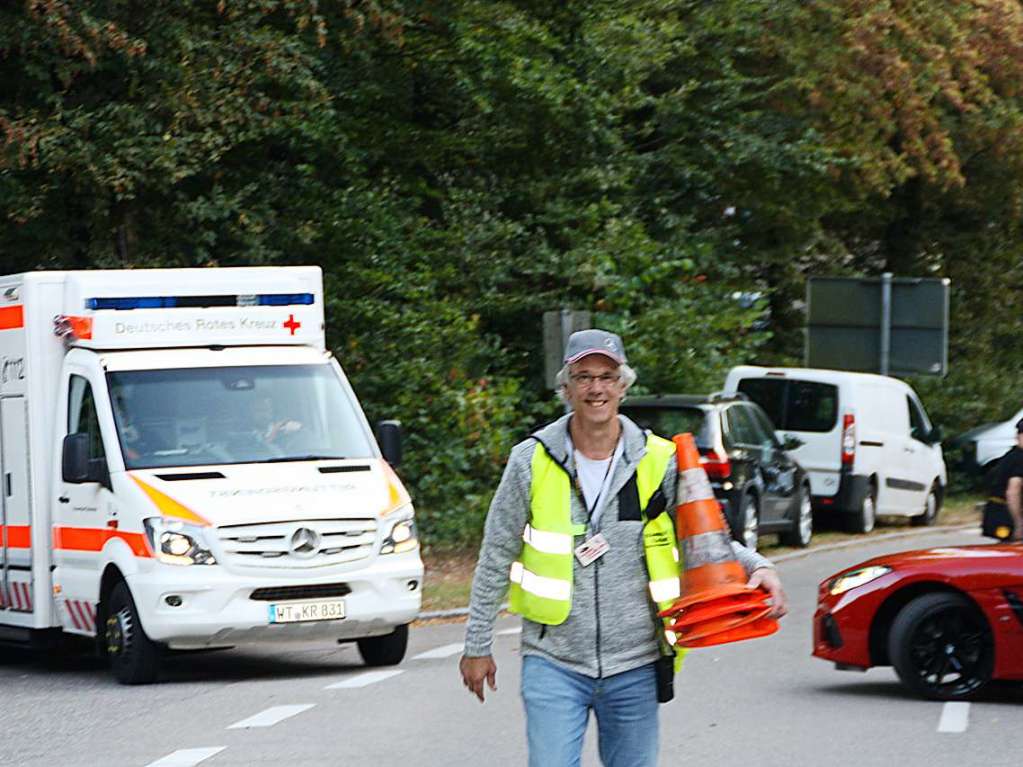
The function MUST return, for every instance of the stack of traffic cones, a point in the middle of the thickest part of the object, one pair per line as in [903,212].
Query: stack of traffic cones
[716,606]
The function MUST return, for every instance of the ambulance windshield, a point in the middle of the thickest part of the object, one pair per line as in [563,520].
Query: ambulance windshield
[254,414]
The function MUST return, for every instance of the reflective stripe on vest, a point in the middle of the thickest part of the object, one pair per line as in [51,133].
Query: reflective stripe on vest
[541,579]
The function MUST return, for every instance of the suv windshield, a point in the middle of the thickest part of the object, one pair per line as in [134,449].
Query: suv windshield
[794,405]
[254,414]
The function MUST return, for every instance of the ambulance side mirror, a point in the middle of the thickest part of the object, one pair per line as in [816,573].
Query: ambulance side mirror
[77,467]
[389,439]
[74,460]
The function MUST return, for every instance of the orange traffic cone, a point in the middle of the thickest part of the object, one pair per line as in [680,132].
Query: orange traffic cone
[716,605]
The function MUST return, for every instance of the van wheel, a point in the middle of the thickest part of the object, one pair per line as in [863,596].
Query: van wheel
[749,521]
[863,519]
[134,657]
[387,650]
[801,532]
[931,508]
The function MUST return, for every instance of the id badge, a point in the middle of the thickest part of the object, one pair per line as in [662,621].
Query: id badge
[591,549]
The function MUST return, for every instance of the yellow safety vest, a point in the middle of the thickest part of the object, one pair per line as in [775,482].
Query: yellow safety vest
[541,577]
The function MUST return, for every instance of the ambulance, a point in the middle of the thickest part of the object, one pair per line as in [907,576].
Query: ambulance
[183,465]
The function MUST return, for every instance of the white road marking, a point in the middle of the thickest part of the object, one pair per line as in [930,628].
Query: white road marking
[186,757]
[271,716]
[440,652]
[516,630]
[955,717]
[361,680]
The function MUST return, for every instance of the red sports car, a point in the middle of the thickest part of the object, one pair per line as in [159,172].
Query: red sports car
[948,619]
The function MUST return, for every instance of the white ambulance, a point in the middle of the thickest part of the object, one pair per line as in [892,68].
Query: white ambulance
[183,465]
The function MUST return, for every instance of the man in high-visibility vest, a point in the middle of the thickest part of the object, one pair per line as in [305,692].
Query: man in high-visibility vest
[576,538]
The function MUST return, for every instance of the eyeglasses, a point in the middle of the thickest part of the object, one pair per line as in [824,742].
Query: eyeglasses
[585,380]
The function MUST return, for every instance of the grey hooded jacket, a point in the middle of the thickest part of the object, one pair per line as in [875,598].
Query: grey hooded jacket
[612,626]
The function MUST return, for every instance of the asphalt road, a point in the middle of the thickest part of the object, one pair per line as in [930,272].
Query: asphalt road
[764,702]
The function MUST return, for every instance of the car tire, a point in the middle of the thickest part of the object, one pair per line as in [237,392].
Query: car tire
[386,650]
[864,518]
[749,522]
[941,647]
[134,658]
[801,532]
[931,509]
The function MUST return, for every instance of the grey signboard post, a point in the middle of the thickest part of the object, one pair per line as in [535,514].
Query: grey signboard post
[888,325]
[557,327]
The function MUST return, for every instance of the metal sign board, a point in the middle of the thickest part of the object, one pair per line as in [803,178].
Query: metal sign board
[886,325]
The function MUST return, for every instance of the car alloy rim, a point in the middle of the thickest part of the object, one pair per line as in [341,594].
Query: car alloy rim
[749,533]
[932,505]
[805,517]
[948,652]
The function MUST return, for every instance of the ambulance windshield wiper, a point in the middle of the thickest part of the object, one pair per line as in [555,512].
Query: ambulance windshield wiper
[286,458]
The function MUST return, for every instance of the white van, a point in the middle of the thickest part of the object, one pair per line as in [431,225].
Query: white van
[185,466]
[867,444]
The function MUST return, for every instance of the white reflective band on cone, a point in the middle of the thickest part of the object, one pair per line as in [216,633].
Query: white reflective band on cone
[694,485]
[665,589]
[547,542]
[548,588]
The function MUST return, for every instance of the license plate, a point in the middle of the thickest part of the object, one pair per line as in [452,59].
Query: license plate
[297,612]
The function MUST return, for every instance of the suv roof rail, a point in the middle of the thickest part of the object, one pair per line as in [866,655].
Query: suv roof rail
[727,396]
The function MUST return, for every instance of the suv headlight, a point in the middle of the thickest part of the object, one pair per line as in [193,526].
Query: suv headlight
[854,578]
[178,543]
[402,536]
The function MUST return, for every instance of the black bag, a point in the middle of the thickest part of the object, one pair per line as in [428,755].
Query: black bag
[665,667]
[997,521]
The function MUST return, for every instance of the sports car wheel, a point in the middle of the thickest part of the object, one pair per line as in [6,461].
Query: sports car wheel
[941,647]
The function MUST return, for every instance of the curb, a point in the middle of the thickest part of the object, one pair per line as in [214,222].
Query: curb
[459,612]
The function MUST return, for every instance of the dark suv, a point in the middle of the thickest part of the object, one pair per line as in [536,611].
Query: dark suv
[760,487]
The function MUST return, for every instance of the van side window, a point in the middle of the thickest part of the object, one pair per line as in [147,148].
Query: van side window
[918,424]
[81,415]
[795,405]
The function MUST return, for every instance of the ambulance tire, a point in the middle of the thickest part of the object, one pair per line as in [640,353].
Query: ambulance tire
[134,657]
[386,650]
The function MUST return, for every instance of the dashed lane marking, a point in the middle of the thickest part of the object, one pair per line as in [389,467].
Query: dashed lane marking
[516,630]
[361,680]
[955,717]
[186,757]
[271,716]
[440,652]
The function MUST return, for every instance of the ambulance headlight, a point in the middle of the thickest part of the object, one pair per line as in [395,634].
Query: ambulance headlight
[178,543]
[402,535]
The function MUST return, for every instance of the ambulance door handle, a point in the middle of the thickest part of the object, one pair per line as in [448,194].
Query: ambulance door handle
[64,499]
[7,484]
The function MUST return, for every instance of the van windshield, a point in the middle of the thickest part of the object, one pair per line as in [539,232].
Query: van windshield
[253,414]
[794,405]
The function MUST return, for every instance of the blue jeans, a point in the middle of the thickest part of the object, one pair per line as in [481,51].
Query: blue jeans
[558,704]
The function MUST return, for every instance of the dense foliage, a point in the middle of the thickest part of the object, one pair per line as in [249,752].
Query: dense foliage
[458,167]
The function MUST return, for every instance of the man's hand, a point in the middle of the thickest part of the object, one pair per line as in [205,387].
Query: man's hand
[766,578]
[475,671]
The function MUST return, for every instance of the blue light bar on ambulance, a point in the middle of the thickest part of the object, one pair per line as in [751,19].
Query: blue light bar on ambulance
[198,302]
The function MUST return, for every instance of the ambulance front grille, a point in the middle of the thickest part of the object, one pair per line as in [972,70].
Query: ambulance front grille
[300,544]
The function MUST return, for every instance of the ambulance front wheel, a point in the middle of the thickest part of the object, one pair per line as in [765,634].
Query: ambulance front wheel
[387,650]
[134,657]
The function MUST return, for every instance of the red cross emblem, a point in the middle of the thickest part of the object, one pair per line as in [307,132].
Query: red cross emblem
[291,324]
